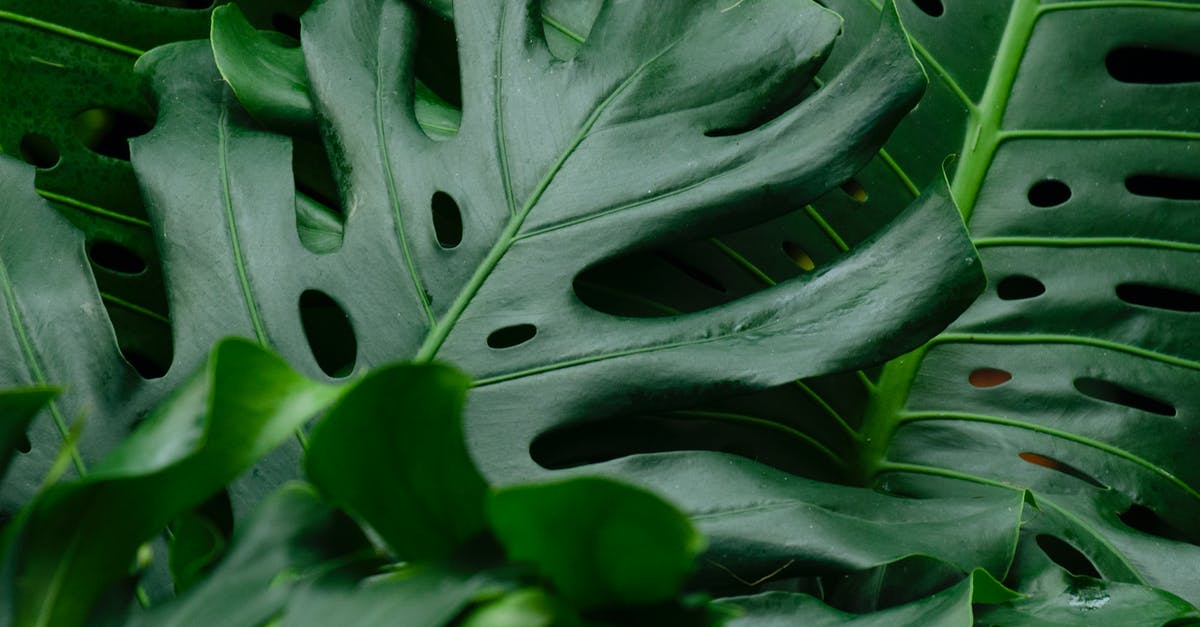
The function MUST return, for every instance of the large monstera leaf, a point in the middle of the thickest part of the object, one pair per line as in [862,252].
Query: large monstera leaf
[557,166]
[71,101]
[1075,374]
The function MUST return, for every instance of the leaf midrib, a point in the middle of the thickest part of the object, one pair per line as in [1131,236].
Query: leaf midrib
[442,328]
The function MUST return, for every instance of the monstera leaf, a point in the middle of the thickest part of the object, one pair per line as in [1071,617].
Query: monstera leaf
[466,249]
[71,101]
[1071,376]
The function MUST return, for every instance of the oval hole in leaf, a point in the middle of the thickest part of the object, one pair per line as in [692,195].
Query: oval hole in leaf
[595,441]
[436,62]
[115,258]
[1159,297]
[146,367]
[1113,393]
[988,377]
[1152,66]
[24,445]
[1067,556]
[1169,187]
[1049,193]
[694,273]
[1066,469]
[932,8]
[329,332]
[1145,520]
[447,220]
[798,256]
[1019,287]
[509,337]
[855,190]
[107,131]
[39,151]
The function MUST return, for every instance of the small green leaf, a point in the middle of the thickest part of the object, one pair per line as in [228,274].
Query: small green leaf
[600,541]
[527,607]
[244,404]
[265,72]
[391,452]
[293,535]
[415,596]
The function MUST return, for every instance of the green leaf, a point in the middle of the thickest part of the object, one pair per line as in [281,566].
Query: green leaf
[600,542]
[1075,375]
[238,409]
[523,180]
[391,452]
[527,607]
[265,70]
[424,595]
[952,606]
[17,409]
[291,538]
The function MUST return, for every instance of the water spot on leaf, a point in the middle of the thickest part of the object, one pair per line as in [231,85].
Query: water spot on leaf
[329,332]
[1057,466]
[932,8]
[511,336]
[1067,556]
[855,190]
[1112,393]
[1159,297]
[798,256]
[1152,66]
[107,131]
[116,258]
[1019,287]
[1169,187]
[447,220]
[988,377]
[1049,193]
[693,272]
[39,151]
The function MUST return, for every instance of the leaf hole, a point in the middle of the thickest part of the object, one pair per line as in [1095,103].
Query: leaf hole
[1159,297]
[1112,393]
[146,367]
[1169,187]
[447,220]
[694,273]
[24,445]
[988,377]
[1146,520]
[436,62]
[39,151]
[932,8]
[1019,287]
[1152,66]
[511,336]
[116,258]
[798,255]
[107,131]
[855,190]
[1067,556]
[286,24]
[320,218]
[1049,193]
[329,332]
[565,23]
[1062,467]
